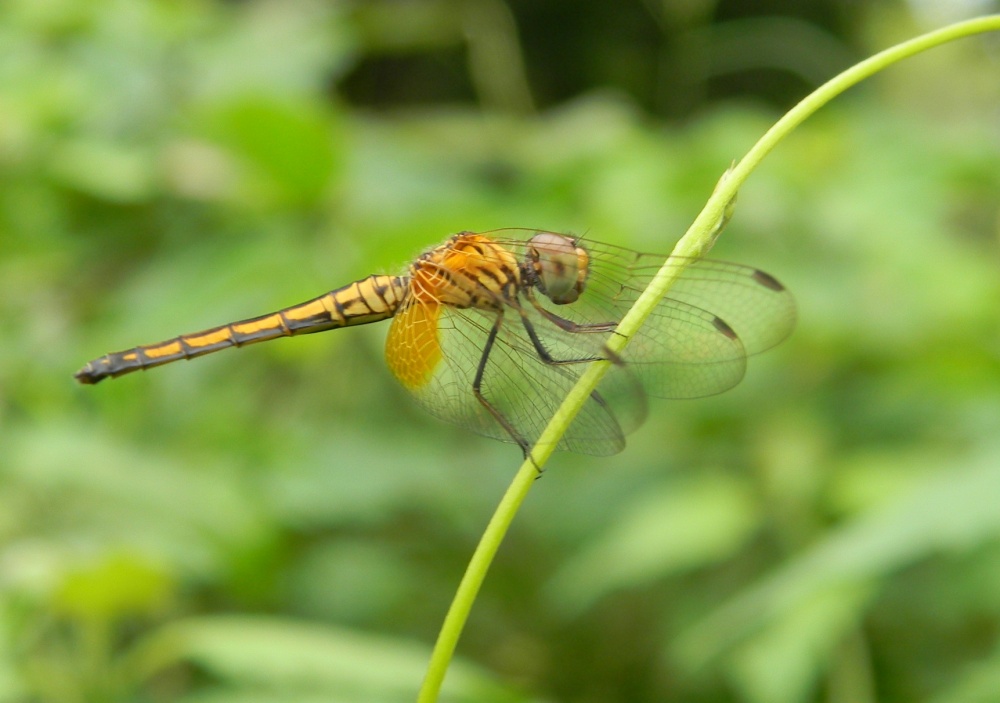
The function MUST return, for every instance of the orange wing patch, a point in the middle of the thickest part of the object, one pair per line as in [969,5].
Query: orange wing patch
[412,348]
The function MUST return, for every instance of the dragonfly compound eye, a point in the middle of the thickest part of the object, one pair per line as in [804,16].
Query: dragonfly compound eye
[560,267]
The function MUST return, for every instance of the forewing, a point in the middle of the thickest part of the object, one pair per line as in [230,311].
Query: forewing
[753,303]
[696,340]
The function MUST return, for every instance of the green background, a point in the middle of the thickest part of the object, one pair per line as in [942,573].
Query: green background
[281,523]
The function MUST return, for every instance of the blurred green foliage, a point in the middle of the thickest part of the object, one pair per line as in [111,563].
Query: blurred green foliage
[282,524]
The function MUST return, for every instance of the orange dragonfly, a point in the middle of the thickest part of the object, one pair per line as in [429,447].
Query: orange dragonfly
[490,331]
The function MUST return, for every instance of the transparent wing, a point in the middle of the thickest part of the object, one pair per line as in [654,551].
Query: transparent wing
[516,381]
[696,341]
[753,303]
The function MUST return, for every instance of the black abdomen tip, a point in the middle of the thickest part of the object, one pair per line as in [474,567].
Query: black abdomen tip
[87,377]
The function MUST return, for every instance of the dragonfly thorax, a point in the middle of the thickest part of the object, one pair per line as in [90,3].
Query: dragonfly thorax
[469,271]
[558,267]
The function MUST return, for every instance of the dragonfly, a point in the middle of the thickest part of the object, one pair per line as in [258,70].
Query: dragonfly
[491,330]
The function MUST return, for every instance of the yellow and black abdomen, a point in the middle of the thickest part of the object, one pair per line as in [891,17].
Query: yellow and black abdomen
[369,300]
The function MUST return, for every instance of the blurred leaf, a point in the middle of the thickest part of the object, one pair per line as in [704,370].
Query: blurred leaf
[785,660]
[869,479]
[681,527]
[271,654]
[105,170]
[12,685]
[351,581]
[252,695]
[292,145]
[117,586]
[978,683]
[278,47]
[141,498]
[950,510]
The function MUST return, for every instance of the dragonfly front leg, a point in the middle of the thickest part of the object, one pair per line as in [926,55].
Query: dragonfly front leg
[568,325]
[572,327]
[547,357]
[544,353]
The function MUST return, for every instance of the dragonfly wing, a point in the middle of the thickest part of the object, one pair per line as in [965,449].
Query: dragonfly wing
[617,407]
[413,350]
[516,382]
[696,340]
[680,352]
[695,343]
[685,352]
[753,303]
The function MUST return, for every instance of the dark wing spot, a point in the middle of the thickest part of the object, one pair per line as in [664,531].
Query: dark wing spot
[724,327]
[613,357]
[768,281]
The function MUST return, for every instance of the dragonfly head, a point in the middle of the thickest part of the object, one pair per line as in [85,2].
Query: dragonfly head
[560,267]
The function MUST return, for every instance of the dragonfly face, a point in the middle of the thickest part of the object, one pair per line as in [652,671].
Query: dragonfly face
[559,267]
[474,344]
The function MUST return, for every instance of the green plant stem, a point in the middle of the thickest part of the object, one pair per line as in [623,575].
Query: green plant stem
[695,242]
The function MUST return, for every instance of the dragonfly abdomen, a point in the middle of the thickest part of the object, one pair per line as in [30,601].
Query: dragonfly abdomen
[369,300]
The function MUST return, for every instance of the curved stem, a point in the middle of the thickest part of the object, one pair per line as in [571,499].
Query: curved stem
[473,578]
[695,242]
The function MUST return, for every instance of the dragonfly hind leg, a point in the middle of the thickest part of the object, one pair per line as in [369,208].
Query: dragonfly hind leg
[477,383]
[546,357]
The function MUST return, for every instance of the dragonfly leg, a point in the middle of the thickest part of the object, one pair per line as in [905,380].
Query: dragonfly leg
[568,325]
[544,353]
[546,356]
[477,383]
